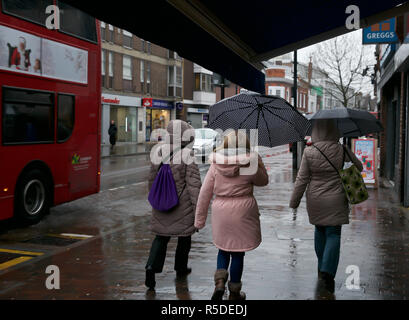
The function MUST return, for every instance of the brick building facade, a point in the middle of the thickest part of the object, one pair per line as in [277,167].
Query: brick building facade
[141,85]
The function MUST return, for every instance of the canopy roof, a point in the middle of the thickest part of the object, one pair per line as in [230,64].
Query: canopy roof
[233,37]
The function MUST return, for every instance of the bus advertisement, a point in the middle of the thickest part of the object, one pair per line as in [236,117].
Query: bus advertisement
[50,89]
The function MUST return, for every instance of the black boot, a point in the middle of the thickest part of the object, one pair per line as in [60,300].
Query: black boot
[329,281]
[183,272]
[150,278]
[320,276]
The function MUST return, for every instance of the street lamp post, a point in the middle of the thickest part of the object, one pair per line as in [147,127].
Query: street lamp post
[294,145]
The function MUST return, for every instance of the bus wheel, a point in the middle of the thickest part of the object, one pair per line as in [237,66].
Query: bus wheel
[32,197]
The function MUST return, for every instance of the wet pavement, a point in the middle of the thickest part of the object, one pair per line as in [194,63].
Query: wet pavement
[125,149]
[111,240]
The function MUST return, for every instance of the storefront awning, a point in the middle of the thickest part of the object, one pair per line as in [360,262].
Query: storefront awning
[232,38]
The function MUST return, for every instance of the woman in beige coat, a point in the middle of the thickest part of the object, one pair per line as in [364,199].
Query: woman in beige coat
[327,205]
[179,221]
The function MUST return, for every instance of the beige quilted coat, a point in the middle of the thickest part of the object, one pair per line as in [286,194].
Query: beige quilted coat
[327,204]
[180,220]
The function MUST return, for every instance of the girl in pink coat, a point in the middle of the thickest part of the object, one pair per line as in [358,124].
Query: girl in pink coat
[235,216]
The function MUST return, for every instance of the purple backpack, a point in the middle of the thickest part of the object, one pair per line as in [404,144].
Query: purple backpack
[163,195]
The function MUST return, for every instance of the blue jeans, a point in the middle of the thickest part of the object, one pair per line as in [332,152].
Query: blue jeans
[327,248]
[237,261]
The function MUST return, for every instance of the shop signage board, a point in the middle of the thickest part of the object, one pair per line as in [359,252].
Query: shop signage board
[158,104]
[366,151]
[128,101]
[382,32]
[197,110]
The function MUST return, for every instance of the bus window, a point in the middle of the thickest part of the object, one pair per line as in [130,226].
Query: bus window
[65,116]
[30,10]
[28,116]
[77,23]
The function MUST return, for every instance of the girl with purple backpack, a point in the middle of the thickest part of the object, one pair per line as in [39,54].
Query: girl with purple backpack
[178,221]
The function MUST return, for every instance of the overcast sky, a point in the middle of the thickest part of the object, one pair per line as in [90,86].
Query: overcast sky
[303,55]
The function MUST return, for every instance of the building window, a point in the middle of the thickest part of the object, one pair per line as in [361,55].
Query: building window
[197,82]
[126,67]
[28,116]
[65,117]
[110,33]
[148,47]
[174,81]
[142,75]
[103,63]
[173,55]
[148,76]
[203,82]
[103,31]
[111,69]
[142,45]
[127,39]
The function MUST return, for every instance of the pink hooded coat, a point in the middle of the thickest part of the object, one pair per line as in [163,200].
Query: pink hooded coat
[235,215]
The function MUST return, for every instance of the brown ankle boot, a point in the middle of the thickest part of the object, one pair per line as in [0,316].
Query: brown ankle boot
[220,279]
[235,293]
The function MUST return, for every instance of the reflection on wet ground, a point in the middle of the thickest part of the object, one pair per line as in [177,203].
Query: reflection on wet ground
[110,265]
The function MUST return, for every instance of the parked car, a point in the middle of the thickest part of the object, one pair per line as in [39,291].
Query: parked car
[206,140]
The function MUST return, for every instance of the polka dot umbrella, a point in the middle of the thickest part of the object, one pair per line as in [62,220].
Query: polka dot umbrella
[277,121]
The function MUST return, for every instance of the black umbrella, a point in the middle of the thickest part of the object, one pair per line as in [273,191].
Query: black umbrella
[277,121]
[350,122]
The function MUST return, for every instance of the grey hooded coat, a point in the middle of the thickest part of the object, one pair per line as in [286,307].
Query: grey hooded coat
[327,204]
[180,220]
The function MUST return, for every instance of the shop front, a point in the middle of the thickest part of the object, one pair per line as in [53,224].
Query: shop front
[158,114]
[197,117]
[125,111]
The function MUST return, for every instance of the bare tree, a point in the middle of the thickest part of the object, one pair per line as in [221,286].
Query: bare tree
[343,58]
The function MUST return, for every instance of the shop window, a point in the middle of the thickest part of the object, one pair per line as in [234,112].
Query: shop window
[30,10]
[28,116]
[65,116]
[77,23]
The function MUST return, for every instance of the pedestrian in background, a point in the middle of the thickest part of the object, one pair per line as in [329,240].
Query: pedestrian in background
[112,131]
[179,221]
[327,204]
[235,214]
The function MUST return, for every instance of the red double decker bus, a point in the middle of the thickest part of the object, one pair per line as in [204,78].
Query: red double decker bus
[50,92]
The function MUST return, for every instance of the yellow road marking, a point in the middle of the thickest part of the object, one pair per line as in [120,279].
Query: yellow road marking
[13,262]
[29,253]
